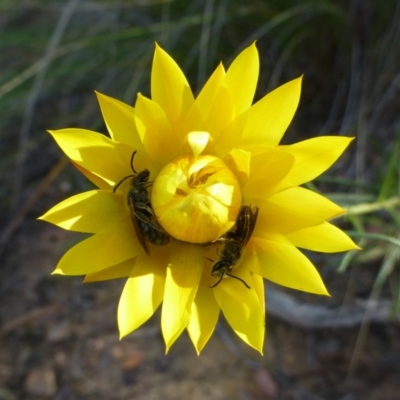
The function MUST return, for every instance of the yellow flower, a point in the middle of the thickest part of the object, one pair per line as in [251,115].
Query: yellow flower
[214,162]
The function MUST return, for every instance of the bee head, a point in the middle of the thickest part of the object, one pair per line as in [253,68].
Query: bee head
[141,178]
[220,268]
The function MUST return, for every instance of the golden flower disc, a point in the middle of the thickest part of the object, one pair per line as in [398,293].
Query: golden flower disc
[196,199]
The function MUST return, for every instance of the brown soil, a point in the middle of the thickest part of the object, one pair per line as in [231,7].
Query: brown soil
[59,340]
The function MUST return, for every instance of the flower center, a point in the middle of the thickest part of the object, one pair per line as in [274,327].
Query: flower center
[196,199]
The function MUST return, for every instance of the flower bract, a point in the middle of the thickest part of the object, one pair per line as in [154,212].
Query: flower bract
[188,168]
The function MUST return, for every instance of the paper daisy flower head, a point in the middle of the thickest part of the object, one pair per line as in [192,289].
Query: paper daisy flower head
[196,201]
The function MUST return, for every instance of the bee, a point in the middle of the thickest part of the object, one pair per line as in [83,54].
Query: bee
[235,240]
[142,213]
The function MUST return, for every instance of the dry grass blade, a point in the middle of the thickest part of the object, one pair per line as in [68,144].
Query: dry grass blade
[34,95]
[389,263]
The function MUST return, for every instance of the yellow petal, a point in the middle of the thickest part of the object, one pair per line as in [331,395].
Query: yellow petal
[138,163]
[120,120]
[286,266]
[241,308]
[109,247]
[96,180]
[314,156]
[270,117]
[198,141]
[220,115]
[183,277]
[229,137]
[203,317]
[258,284]
[88,212]
[94,152]
[206,98]
[241,78]
[159,140]
[169,87]
[121,270]
[291,210]
[276,220]
[142,294]
[238,161]
[308,202]
[191,121]
[266,175]
[324,237]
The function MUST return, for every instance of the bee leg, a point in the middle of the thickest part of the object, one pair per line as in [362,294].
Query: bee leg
[225,240]
[141,215]
[144,209]
[220,239]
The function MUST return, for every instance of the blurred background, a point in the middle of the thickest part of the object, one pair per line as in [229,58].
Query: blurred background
[58,338]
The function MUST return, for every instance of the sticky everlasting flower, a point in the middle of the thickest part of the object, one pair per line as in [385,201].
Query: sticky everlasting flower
[185,183]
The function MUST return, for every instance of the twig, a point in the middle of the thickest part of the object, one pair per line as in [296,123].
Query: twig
[24,210]
[29,317]
[312,316]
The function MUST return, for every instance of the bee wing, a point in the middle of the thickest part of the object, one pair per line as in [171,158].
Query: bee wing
[250,223]
[135,221]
